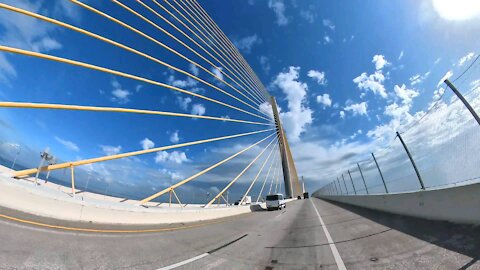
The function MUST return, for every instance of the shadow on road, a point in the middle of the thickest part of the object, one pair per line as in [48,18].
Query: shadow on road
[463,239]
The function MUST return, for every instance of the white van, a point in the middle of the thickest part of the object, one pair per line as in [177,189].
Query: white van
[275,201]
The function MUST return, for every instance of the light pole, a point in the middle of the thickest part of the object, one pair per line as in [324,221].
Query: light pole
[45,157]
[16,155]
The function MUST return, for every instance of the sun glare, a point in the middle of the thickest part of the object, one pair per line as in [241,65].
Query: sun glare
[456,10]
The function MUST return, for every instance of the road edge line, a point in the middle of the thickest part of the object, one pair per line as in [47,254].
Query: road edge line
[333,248]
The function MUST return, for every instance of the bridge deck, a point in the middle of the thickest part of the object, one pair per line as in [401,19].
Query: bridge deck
[289,239]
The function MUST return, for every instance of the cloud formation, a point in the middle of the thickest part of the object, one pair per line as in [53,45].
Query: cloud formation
[299,114]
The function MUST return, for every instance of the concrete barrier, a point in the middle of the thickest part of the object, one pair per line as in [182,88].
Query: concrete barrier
[459,204]
[54,202]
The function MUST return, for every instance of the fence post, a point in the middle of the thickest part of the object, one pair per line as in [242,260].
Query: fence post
[73,179]
[464,101]
[363,178]
[346,189]
[336,189]
[354,189]
[411,160]
[381,175]
[340,186]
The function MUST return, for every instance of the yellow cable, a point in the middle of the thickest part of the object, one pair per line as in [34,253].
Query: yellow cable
[239,175]
[211,33]
[227,44]
[208,44]
[266,176]
[129,154]
[259,172]
[131,49]
[29,105]
[119,73]
[220,50]
[201,172]
[196,53]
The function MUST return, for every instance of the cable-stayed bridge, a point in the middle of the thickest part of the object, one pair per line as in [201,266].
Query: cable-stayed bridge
[49,224]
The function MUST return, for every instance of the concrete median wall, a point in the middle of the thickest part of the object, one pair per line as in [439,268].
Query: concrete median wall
[55,203]
[459,204]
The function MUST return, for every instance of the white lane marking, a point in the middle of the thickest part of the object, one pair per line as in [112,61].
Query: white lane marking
[336,254]
[173,266]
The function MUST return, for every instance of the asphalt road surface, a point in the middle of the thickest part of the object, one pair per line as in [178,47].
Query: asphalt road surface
[308,234]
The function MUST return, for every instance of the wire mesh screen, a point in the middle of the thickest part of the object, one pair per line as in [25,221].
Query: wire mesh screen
[442,141]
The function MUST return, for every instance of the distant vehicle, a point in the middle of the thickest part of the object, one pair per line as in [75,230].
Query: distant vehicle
[305,195]
[247,200]
[275,201]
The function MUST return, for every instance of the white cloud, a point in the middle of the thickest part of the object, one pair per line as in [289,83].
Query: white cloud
[264,62]
[147,143]
[325,100]
[184,102]
[7,70]
[327,39]
[465,59]
[308,15]
[177,157]
[357,108]
[174,138]
[278,7]
[342,114]
[299,115]
[400,56]
[217,73]
[172,175]
[355,134]
[406,95]
[119,95]
[328,23]
[26,33]
[458,10]
[372,82]
[266,107]
[194,69]
[399,115]
[319,76]
[198,109]
[110,150]
[437,94]
[138,88]
[380,61]
[245,44]
[417,79]
[446,76]
[188,82]
[68,144]
[30,34]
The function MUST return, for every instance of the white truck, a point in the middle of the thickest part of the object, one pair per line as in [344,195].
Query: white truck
[275,201]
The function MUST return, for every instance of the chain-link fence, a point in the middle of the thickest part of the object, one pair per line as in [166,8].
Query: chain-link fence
[436,149]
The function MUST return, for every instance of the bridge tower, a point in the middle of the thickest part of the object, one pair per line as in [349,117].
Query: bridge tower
[290,177]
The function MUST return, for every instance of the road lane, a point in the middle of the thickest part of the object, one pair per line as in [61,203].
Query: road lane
[28,246]
[369,239]
[292,238]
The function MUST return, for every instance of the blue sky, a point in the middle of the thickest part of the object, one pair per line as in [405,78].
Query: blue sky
[346,75]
